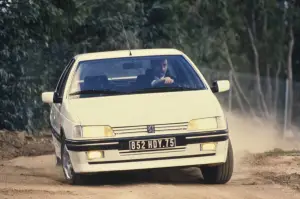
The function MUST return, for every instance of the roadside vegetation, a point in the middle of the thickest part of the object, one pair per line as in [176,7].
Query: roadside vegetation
[38,38]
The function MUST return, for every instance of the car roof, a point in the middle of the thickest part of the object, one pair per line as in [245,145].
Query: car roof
[125,53]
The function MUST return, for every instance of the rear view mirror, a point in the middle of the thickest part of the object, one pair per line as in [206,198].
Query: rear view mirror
[220,86]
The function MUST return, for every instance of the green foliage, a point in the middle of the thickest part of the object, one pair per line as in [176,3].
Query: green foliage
[40,36]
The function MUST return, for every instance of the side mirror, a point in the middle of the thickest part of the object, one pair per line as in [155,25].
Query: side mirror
[47,97]
[51,97]
[220,86]
[57,98]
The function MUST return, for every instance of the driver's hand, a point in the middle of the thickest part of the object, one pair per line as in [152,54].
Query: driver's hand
[168,80]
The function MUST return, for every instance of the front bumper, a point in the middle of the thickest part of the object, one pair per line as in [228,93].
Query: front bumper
[118,157]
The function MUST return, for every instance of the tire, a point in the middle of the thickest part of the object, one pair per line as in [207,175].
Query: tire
[71,177]
[220,174]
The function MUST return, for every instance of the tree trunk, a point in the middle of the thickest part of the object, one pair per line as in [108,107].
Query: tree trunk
[269,93]
[258,81]
[290,77]
[276,92]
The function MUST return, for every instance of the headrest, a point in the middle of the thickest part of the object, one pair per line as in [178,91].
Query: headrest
[101,78]
[149,71]
[139,77]
[95,82]
[91,79]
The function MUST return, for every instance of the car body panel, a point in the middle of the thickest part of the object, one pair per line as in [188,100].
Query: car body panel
[168,111]
[151,108]
[114,161]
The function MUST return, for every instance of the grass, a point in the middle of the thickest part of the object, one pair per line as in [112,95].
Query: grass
[261,158]
[281,152]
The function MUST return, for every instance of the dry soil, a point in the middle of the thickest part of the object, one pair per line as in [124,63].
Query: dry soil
[265,167]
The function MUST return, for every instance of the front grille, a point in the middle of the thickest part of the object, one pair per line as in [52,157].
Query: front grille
[162,128]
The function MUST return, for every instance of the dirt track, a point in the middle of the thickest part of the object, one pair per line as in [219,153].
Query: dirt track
[275,175]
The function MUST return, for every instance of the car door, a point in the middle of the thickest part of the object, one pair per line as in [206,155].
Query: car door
[56,115]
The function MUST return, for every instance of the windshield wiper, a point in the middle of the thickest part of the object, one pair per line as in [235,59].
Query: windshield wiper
[105,91]
[164,89]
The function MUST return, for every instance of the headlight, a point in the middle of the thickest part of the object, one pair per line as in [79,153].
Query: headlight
[93,131]
[204,124]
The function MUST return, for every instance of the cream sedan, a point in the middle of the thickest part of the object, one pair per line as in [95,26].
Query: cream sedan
[151,108]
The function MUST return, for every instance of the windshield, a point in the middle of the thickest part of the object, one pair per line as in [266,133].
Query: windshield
[131,75]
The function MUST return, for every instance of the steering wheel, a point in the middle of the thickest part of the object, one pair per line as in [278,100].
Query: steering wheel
[174,84]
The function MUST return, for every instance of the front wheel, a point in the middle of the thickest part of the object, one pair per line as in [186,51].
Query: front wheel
[71,177]
[219,174]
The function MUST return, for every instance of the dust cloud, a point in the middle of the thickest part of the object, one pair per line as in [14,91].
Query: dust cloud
[252,135]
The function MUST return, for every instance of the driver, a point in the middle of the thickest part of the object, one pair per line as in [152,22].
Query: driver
[159,73]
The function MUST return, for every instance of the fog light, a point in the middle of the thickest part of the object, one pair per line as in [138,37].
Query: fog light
[95,155]
[208,146]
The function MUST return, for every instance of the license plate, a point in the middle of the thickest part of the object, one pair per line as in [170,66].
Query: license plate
[160,143]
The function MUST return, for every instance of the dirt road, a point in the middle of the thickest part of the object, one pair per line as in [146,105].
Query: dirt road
[265,175]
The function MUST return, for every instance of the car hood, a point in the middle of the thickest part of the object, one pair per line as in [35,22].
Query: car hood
[141,109]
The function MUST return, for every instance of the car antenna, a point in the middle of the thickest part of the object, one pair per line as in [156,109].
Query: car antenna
[128,44]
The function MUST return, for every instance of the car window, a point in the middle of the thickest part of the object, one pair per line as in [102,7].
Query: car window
[133,74]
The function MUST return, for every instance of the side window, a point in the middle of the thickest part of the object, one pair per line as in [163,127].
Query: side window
[62,81]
